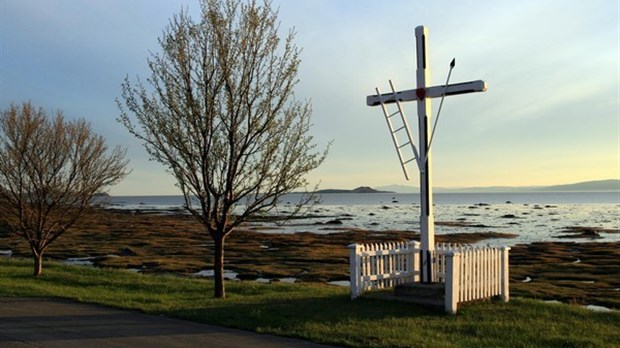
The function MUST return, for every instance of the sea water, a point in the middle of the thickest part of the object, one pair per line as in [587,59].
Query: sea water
[532,216]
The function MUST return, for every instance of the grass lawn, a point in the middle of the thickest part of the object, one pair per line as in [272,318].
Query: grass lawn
[318,312]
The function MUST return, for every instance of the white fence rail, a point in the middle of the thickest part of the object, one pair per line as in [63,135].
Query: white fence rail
[470,273]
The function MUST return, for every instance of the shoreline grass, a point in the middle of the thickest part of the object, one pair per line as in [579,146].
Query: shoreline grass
[318,312]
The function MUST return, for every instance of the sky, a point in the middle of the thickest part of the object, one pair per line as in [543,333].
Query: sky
[550,114]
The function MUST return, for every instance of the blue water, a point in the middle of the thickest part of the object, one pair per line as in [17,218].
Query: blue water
[473,198]
[537,216]
[165,202]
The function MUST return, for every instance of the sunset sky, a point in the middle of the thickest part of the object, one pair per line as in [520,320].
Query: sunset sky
[550,115]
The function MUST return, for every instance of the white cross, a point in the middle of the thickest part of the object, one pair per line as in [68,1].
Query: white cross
[423,94]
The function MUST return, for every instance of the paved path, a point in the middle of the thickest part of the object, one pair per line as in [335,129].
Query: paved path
[45,322]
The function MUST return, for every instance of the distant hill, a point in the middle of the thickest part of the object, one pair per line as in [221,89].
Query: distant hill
[598,185]
[400,188]
[361,189]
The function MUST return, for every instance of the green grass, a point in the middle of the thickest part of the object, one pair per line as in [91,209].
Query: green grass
[320,313]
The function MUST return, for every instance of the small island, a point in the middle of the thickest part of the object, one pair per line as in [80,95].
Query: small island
[361,189]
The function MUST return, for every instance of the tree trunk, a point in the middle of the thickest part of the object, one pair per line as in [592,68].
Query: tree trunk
[218,267]
[38,264]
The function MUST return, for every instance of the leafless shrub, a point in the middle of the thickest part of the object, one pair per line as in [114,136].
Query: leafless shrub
[50,169]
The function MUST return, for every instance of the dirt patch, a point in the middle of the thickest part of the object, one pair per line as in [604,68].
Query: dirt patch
[585,232]
[582,273]
[175,242]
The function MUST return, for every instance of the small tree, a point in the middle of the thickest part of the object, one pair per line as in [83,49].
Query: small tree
[50,169]
[222,115]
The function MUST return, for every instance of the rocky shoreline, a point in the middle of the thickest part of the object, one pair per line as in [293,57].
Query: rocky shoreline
[584,273]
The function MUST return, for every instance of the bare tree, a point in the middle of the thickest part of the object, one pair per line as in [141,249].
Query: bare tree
[50,169]
[221,114]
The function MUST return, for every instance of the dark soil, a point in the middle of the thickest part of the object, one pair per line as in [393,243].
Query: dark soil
[582,273]
[582,232]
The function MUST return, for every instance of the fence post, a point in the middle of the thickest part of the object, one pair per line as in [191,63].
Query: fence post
[414,260]
[355,264]
[505,292]
[453,281]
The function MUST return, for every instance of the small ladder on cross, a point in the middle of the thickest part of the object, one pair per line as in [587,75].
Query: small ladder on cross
[403,125]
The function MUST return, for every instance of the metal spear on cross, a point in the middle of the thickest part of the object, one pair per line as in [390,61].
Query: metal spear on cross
[423,95]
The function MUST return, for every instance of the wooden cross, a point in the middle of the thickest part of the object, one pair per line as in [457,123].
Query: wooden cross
[423,95]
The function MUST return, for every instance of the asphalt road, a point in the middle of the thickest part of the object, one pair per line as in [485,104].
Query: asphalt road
[52,322]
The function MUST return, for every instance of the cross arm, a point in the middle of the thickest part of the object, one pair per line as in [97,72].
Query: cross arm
[430,92]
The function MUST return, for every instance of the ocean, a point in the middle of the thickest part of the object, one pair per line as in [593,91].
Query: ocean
[532,216]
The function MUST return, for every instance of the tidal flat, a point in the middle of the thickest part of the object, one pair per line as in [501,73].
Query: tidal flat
[174,243]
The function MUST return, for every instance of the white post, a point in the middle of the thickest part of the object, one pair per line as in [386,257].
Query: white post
[427,223]
[453,281]
[414,259]
[355,263]
[505,295]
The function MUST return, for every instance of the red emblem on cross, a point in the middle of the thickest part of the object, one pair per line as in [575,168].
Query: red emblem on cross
[421,93]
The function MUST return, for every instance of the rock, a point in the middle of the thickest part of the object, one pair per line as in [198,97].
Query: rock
[334,222]
[480,226]
[509,216]
[127,252]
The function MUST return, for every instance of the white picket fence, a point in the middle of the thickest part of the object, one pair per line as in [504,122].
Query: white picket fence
[470,273]
[382,265]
